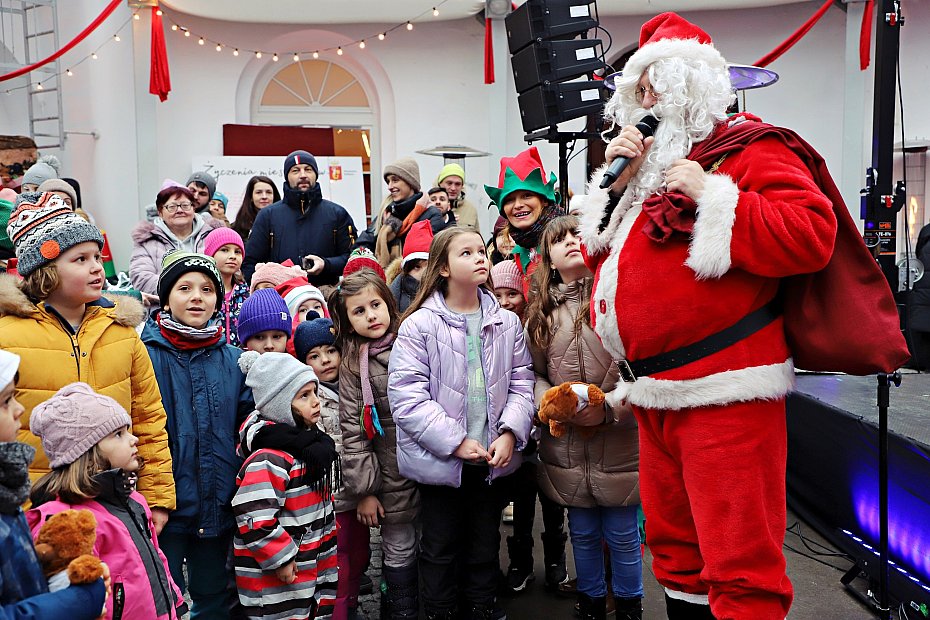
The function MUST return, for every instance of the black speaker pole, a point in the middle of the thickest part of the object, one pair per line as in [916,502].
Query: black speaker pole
[563,174]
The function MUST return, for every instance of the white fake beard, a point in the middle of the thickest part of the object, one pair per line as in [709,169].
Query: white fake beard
[672,142]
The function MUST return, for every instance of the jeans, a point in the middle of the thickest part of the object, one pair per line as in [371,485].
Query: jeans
[460,544]
[619,527]
[206,570]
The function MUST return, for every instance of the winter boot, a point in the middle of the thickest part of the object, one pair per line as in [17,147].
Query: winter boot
[628,608]
[554,555]
[520,572]
[677,609]
[403,585]
[442,614]
[485,612]
[592,607]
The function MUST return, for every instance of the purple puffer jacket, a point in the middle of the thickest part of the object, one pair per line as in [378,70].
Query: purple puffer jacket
[428,382]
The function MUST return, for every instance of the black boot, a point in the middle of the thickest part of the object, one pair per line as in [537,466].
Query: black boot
[677,609]
[554,555]
[442,614]
[486,612]
[592,607]
[520,572]
[402,588]
[628,608]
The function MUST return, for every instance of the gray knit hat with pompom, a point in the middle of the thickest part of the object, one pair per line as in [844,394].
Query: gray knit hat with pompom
[275,379]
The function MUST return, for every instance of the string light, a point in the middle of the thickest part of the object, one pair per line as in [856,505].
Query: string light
[39,86]
[235,52]
[219,47]
[339,51]
[274,58]
[316,54]
[69,73]
[136,17]
[94,55]
[187,33]
[296,57]
[409,26]
[116,38]
[200,41]
[159,12]
[174,27]
[381,36]
[361,44]
[435,12]
[258,54]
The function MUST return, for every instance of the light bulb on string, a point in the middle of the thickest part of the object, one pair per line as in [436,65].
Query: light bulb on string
[409,26]
[136,17]
[381,36]
[200,41]
[116,38]
[274,58]
[316,54]
[174,27]
[94,55]
[219,47]
[159,13]
[258,54]
[361,45]
[435,12]
[296,58]
[235,52]
[187,33]
[339,51]
[69,73]
[39,86]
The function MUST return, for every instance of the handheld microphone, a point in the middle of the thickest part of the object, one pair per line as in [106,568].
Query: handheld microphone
[647,127]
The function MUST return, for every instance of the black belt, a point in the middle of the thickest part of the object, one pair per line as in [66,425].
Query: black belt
[745,327]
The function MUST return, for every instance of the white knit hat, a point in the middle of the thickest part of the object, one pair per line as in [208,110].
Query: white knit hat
[9,364]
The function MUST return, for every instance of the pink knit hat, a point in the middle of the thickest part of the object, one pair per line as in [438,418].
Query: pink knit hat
[74,420]
[219,237]
[275,273]
[506,274]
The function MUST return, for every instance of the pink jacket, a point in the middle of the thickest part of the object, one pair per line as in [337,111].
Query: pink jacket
[125,542]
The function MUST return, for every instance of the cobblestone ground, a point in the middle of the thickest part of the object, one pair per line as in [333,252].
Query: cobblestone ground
[369,605]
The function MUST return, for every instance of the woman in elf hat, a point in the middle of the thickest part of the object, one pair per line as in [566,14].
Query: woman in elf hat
[528,201]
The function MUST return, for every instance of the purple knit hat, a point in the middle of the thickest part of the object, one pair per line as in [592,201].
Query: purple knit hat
[506,274]
[74,420]
[263,311]
[219,237]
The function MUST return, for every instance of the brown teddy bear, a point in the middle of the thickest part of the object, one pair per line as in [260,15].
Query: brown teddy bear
[561,402]
[66,541]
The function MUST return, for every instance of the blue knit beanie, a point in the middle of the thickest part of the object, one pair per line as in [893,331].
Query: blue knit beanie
[313,332]
[263,311]
[299,157]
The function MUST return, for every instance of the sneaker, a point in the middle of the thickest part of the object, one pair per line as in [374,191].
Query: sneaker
[508,513]
[518,578]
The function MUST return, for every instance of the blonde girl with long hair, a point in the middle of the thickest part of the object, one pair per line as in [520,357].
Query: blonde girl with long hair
[461,389]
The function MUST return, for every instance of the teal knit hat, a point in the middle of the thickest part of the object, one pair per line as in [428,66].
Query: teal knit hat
[523,172]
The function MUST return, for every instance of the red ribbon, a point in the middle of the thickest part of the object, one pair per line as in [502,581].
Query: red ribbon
[865,36]
[160,78]
[77,39]
[794,38]
[488,53]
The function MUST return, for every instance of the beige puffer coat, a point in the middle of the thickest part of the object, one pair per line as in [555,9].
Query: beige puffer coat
[369,466]
[603,470]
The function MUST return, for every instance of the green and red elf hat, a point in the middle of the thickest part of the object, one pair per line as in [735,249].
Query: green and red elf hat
[522,172]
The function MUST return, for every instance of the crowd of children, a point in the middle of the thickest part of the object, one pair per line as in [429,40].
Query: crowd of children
[241,448]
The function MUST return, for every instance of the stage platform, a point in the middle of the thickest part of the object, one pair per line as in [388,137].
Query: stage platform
[833,471]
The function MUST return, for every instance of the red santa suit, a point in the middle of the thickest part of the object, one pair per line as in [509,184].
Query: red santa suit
[712,432]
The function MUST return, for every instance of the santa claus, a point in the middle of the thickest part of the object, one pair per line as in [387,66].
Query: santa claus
[689,246]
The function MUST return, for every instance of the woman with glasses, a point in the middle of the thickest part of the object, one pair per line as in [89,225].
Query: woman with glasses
[176,227]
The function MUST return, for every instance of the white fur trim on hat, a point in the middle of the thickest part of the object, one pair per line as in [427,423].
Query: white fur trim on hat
[670,48]
[709,254]
[414,256]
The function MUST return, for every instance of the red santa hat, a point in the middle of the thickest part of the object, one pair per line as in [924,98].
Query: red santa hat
[416,245]
[670,35]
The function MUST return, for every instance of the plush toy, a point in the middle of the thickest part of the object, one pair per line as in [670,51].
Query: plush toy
[561,402]
[66,541]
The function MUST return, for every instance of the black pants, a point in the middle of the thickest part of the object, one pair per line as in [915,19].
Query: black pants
[525,489]
[460,540]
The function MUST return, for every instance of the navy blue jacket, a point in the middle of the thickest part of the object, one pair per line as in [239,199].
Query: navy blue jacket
[301,223]
[23,589]
[206,398]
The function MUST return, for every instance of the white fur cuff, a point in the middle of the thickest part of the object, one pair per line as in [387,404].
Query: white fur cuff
[595,205]
[709,254]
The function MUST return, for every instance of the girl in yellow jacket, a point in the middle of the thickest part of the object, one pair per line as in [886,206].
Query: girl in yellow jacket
[63,329]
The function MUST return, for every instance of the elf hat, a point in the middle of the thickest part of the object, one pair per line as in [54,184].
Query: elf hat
[523,172]
[42,227]
[416,245]
[669,35]
[362,258]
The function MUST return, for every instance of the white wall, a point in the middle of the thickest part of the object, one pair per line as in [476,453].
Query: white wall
[427,88]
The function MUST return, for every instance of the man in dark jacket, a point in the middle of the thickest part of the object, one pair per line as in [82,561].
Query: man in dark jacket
[302,225]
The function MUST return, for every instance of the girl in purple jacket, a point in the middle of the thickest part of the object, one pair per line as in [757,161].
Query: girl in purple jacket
[95,463]
[461,392]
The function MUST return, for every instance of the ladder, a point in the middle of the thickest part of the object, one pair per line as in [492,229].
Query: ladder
[30,30]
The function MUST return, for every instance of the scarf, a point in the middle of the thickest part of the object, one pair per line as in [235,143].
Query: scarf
[15,458]
[322,469]
[530,237]
[368,417]
[185,337]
